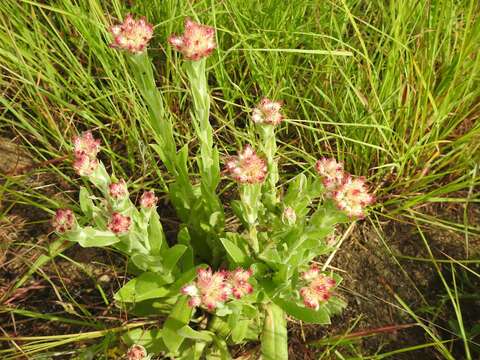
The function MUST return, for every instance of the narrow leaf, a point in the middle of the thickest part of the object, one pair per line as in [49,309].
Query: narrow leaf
[237,254]
[179,317]
[274,336]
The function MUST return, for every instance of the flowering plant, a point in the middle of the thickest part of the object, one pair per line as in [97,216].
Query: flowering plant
[217,285]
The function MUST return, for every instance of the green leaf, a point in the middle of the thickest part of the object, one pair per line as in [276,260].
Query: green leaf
[150,286]
[127,292]
[187,261]
[335,305]
[274,344]
[238,210]
[148,262]
[222,347]
[150,339]
[147,286]
[86,204]
[179,317]
[190,333]
[237,254]
[185,278]
[193,352]
[156,236]
[320,316]
[90,237]
[171,257]
[239,331]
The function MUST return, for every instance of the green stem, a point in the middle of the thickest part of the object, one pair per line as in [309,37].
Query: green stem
[208,160]
[181,190]
[142,69]
[269,148]
[219,326]
[250,195]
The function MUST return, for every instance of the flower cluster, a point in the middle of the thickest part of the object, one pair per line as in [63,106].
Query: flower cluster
[148,200]
[63,220]
[247,167]
[118,190]
[197,42]
[213,289]
[331,172]
[350,194]
[267,112]
[319,288]
[86,148]
[132,35]
[119,224]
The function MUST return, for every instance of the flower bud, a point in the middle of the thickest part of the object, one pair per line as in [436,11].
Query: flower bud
[63,220]
[267,112]
[197,42]
[352,196]
[119,223]
[118,190]
[132,35]
[136,352]
[148,200]
[247,167]
[331,172]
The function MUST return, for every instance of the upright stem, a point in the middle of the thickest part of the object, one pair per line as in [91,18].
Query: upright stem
[159,120]
[250,196]
[269,147]
[208,160]
[181,190]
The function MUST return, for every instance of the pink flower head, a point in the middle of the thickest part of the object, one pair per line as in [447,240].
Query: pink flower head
[268,112]
[118,190]
[84,165]
[148,199]
[352,196]
[119,223]
[319,288]
[197,42]
[132,35]
[210,289]
[136,352]
[331,172]
[238,280]
[247,167]
[63,220]
[86,144]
